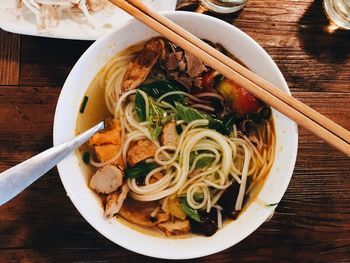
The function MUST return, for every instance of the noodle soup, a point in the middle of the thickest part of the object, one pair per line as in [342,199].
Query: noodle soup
[184,150]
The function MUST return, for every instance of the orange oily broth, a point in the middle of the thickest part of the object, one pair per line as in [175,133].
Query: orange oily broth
[95,112]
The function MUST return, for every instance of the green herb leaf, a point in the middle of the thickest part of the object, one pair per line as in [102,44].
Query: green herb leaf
[217,80]
[139,170]
[179,129]
[156,132]
[83,104]
[198,197]
[189,114]
[157,118]
[228,122]
[157,89]
[216,124]
[140,107]
[192,213]
[265,113]
[204,162]
[86,157]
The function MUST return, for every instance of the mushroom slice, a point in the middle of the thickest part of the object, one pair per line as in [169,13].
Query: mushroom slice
[107,179]
[178,227]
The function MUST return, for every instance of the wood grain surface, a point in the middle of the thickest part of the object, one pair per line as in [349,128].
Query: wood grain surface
[312,222]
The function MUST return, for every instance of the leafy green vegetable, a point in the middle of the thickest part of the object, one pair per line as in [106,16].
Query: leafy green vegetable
[228,122]
[158,88]
[216,124]
[155,132]
[83,104]
[189,114]
[157,118]
[86,157]
[140,107]
[192,213]
[204,162]
[265,113]
[198,197]
[217,80]
[179,129]
[139,170]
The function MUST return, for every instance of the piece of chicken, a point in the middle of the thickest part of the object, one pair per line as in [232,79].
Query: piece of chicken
[140,150]
[108,142]
[169,135]
[140,212]
[178,227]
[106,180]
[142,64]
[115,200]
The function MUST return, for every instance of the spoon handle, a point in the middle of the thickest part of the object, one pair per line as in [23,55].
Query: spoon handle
[16,179]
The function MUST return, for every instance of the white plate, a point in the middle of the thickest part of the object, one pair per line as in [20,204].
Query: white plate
[85,200]
[23,21]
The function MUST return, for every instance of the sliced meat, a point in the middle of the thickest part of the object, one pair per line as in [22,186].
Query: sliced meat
[182,66]
[169,136]
[108,142]
[141,66]
[140,150]
[195,67]
[106,180]
[178,227]
[115,200]
[140,212]
[171,62]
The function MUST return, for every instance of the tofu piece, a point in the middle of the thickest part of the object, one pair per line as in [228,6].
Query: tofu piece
[115,200]
[110,135]
[108,142]
[106,180]
[140,150]
[156,177]
[106,152]
[140,212]
[141,66]
[169,135]
[178,227]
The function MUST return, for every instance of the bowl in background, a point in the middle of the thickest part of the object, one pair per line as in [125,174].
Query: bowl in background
[74,179]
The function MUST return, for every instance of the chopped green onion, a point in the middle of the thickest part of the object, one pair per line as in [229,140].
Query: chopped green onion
[192,213]
[86,157]
[83,104]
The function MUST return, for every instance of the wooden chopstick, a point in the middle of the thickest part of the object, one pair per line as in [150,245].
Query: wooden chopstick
[289,106]
[306,110]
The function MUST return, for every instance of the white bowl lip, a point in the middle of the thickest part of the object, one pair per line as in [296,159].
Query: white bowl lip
[193,254]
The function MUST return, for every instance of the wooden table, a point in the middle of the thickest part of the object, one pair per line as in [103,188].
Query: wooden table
[312,223]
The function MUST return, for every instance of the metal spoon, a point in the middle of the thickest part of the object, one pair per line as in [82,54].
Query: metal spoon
[16,179]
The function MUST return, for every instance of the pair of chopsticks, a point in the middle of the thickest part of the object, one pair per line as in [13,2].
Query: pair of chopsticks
[305,116]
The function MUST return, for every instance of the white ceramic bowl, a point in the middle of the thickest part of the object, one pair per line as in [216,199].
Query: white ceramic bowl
[74,181]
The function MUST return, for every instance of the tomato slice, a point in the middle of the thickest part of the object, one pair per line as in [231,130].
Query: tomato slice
[243,102]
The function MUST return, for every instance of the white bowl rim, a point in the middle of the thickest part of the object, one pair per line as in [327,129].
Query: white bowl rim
[192,254]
